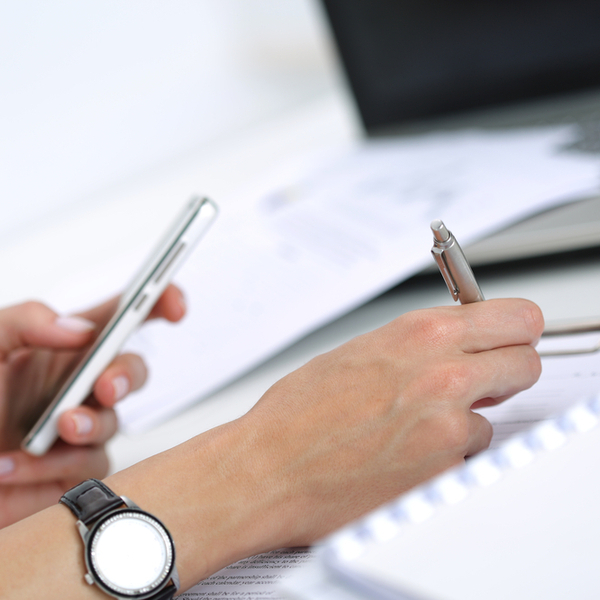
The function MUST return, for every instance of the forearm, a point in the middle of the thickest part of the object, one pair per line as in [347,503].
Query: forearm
[209,492]
[348,431]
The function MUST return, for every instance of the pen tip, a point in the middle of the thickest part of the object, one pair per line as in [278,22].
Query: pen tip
[440,232]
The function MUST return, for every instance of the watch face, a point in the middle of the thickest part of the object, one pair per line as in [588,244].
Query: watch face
[130,553]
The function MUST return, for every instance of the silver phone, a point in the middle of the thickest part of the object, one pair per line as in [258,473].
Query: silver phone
[134,306]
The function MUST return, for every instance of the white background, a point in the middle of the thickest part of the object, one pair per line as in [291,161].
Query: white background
[99,94]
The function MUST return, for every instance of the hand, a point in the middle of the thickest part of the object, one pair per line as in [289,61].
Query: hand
[359,425]
[37,348]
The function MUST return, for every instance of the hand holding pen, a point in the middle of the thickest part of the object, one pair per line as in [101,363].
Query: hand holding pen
[453,265]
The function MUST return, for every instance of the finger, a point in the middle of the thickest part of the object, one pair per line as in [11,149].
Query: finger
[170,306]
[126,373]
[102,313]
[35,324]
[493,374]
[497,323]
[480,434]
[62,462]
[87,426]
[514,369]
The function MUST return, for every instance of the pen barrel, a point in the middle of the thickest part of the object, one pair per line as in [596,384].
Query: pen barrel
[467,287]
[456,271]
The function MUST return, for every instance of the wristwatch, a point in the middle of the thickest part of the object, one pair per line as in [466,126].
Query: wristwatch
[128,552]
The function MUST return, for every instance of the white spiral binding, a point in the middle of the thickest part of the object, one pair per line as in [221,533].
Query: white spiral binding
[454,486]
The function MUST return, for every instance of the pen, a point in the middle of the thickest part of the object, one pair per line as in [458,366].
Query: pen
[453,265]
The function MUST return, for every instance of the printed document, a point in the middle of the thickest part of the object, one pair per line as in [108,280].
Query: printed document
[284,261]
[295,258]
[255,578]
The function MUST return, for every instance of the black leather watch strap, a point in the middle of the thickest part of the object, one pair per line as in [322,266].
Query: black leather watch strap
[90,500]
[167,593]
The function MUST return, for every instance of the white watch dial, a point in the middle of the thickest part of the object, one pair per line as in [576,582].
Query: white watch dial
[131,553]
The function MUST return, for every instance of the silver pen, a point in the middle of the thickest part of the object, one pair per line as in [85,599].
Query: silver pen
[453,265]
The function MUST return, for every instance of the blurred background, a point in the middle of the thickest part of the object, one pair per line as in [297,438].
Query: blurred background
[98,97]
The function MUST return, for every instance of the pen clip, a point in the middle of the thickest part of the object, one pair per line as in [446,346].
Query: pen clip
[438,255]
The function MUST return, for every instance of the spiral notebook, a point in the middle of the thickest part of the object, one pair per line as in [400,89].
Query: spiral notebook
[521,521]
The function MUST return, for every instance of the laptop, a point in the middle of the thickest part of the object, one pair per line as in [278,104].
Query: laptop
[416,66]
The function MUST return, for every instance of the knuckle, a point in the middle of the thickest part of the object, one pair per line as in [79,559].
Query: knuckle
[33,309]
[429,325]
[484,432]
[452,380]
[454,432]
[534,363]
[533,318]
[488,432]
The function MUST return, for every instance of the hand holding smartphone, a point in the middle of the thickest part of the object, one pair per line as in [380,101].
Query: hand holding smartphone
[134,306]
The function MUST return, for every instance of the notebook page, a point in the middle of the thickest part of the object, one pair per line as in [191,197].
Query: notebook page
[519,522]
[565,380]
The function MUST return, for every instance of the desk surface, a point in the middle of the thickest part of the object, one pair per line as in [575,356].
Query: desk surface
[39,260]
[564,286]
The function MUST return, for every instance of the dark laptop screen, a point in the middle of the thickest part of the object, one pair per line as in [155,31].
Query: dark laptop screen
[413,59]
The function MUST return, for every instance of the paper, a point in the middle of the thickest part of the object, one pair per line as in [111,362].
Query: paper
[291,260]
[564,380]
[254,578]
[314,582]
[521,523]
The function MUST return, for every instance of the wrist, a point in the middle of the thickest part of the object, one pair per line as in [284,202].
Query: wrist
[214,497]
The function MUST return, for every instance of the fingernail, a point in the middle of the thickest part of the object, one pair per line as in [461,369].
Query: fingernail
[7,466]
[120,386]
[83,423]
[75,324]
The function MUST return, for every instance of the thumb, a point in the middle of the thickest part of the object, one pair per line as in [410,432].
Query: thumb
[34,324]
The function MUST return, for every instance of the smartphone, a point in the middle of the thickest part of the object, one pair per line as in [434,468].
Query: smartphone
[134,306]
